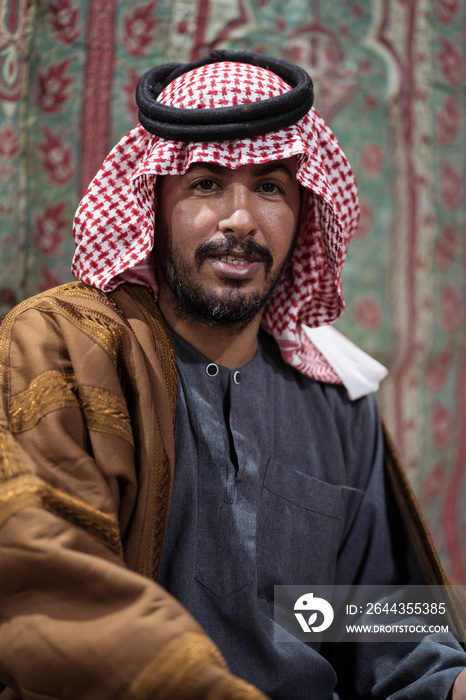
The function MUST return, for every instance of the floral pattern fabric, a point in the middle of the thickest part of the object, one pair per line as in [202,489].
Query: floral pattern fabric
[388,79]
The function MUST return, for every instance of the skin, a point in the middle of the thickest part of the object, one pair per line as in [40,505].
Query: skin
[222,210]
[459,687]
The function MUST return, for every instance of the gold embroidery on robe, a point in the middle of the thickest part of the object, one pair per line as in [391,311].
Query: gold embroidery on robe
[46,392]
[105,411]
[30,490]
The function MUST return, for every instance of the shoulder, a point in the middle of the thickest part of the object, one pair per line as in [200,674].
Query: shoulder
[67,312]
[58,331]
[64,300]
[331,400]
[362,413]
[78,330]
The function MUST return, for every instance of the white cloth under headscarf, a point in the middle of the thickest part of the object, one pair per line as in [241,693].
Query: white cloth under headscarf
[114,223]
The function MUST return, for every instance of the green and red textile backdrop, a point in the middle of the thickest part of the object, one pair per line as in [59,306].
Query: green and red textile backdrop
[390,80]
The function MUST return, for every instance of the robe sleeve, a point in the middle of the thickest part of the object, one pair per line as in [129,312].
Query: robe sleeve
[76,622]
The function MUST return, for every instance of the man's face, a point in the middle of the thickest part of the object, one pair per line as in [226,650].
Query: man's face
[223,238]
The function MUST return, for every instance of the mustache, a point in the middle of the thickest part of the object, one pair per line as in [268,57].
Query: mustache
[248,246]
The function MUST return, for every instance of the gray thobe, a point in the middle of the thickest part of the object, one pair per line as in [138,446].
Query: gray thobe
[279,480]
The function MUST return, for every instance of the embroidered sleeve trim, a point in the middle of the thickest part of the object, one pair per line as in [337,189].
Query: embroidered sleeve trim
[11,464]
[105,411]
[29,490]
[46,392]
[170,675]
[233,688]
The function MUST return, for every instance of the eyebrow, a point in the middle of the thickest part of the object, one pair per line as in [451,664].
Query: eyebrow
[260,169]
[272,166]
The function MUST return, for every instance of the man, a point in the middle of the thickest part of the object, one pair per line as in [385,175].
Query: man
[272,474]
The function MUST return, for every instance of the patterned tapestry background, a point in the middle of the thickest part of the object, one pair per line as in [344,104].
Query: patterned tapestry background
[390,80]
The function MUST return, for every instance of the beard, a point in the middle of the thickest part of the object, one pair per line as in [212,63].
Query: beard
[232,307]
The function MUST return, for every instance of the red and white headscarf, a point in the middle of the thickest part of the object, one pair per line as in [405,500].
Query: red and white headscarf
[114,223]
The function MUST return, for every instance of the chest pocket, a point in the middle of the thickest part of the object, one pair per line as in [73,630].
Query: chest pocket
[299,530]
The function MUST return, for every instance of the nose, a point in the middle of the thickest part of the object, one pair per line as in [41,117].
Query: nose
[239,218]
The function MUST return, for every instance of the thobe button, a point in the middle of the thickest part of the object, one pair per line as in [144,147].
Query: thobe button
[237,377]
[212,369]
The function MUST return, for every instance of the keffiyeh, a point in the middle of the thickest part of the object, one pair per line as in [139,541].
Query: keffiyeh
[114,223]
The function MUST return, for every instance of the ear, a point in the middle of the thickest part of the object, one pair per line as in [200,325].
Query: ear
[303,212]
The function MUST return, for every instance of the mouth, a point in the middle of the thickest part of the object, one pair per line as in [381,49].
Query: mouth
[231,259]
[235,265]
[236,259]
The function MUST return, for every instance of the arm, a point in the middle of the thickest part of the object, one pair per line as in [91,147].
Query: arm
[76,621]
[459,687]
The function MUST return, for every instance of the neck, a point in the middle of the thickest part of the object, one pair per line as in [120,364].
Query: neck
[229,347]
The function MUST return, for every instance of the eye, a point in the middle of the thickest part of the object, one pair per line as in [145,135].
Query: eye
[270,188]
[205,185]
